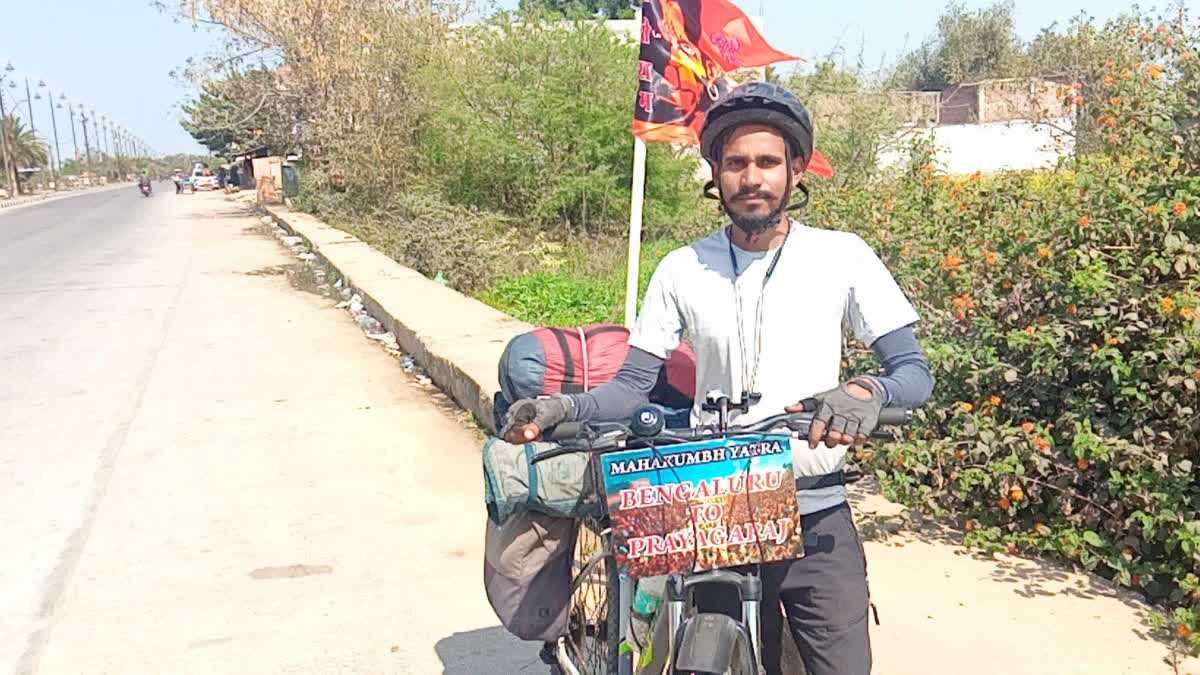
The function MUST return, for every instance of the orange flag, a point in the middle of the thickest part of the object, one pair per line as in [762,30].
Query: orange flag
[687,47]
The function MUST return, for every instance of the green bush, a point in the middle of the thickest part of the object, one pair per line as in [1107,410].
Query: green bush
[532,119]
[584,288]
[1061,316]
[468,247]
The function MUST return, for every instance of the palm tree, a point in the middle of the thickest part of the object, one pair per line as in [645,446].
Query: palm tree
[24,148]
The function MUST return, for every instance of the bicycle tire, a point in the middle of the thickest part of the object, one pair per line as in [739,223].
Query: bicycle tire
[737,660]
[593,634]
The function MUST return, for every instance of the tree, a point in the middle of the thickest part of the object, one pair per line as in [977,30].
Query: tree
[242,111]
[581,9]
[24,148]
[853,124]
[968,47]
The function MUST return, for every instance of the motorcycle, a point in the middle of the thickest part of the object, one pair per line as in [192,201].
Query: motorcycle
[145,187]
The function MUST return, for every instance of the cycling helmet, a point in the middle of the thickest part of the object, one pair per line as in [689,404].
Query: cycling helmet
[758,103]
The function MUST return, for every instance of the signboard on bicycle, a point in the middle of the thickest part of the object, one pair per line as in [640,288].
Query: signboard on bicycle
[703,505]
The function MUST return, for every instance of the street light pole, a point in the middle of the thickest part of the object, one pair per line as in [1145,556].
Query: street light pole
[96,135]
[86,146]
[32,127]
[57,150]
[116,140]
[74,140]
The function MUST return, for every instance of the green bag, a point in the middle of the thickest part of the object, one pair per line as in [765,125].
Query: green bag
[563,486]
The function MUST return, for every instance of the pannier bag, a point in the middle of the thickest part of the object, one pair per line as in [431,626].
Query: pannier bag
[527,574]
[562,486]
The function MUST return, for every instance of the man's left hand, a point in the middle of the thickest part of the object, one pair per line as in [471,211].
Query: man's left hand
[844,416]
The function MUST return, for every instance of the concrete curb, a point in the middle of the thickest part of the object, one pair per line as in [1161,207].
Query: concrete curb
[456,339]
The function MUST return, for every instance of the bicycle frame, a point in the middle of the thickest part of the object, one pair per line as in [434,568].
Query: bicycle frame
[680,586]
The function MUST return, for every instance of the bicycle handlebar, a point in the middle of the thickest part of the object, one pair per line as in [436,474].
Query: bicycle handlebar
[615,435]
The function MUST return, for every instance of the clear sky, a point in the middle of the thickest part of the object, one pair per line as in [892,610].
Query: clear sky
[114,56]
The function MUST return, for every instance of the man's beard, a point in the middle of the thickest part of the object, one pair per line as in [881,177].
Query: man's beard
[753,225]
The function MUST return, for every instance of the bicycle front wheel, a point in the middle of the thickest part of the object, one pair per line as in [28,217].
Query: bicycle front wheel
[594,632]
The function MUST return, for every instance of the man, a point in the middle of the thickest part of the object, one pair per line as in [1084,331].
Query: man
[764,301]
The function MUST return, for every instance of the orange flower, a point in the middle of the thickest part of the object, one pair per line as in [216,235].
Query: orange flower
[992,259]
[1017,494]
[1183,631]
[1077,86]
[1109,79]
[1152,209]
[1113,138]
[1003,503]
[1170,42]
[1113,342]
[1072,309]
[1007,283]
[1126,74]
[1110,64]
[1043,252]
[904,251]
[1026,204]
[1083,464]
[1198,374]
[975,176]
[1041,443]
[1162,28]
[1154,71]
[962,206]
[1146,37]
[966,407]
[1027,426]
[1167,304]
[1084,221]
[959,300]
[951,262]
[960,315]
[1078,101]
[971,304]
[1179,208]
[1116,100]
[1187,313]
[953,274]
[1029,330]
[994,399]
[1095,348]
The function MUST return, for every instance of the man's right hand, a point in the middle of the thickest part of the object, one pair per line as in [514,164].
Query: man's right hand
[528,417]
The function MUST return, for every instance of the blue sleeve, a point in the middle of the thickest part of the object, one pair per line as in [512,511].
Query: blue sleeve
[907,382]
[616,399]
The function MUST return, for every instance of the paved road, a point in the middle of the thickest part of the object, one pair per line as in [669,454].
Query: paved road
[204,470]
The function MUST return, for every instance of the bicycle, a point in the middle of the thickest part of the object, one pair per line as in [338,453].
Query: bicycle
[599,640]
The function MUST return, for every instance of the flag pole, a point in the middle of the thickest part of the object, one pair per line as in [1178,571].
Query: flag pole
[635,230]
